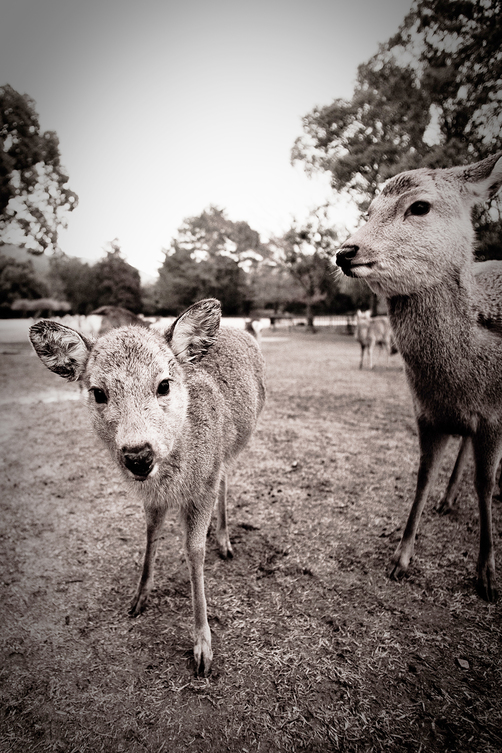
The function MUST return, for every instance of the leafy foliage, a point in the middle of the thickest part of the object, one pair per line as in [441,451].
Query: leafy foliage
[34,194]
[211,256]
[109,282]
[117,282]
[307,253]
[75,281]
[18,280]
[429,97]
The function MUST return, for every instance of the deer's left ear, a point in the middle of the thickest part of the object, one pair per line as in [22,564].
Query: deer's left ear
[194,331]
[483,179]
[62,349]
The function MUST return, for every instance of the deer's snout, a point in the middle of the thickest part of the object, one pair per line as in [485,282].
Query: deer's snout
[345,256]
[139,460]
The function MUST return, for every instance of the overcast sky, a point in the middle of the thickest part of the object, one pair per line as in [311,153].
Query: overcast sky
[163,108]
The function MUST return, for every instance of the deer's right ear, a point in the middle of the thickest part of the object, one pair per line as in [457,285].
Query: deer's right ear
[62,349]
[484,178]
[194,331]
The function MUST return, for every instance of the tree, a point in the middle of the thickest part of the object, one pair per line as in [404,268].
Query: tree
[308,250]
[273,286]
[117,283]
[34,195]
[211,256]
[366,140]
[18,280]
[75,281]
[429,97]
[179,284]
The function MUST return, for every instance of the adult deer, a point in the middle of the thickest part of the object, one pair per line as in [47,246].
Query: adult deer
[175,410]
[371,331]
[417,250]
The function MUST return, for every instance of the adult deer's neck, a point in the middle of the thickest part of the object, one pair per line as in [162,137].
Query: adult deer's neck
[435,332]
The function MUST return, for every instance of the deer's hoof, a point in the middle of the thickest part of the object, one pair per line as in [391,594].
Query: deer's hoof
[203,657]
[138,604]
[400,562]
[446,506]
[486,587]
[225,549]
[397,572]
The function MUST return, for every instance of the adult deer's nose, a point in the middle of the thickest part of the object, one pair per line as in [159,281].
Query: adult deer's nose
[139,460]
[344,257]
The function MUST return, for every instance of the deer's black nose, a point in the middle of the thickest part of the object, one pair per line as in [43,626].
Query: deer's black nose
[139,460]
[344,257]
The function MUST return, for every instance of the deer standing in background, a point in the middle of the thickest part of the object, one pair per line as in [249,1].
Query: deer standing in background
[417,250]
[371,331]
[175,410]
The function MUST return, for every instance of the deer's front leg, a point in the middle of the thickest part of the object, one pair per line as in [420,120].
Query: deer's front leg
[195,523]
[432,444]
[154,520]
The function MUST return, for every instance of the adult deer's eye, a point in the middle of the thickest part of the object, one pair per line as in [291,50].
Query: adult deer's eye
[163,388]
[419,208]
[99,395]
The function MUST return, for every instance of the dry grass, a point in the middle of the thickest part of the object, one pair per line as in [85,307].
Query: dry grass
[315,649]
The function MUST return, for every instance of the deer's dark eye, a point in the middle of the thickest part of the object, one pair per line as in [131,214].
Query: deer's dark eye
[99,395]
[418,208]
[163,388]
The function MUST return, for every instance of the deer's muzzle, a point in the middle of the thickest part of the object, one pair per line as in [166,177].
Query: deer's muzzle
[139,460]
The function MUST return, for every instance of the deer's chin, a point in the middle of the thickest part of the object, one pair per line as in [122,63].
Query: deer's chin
[142,479]
[359,270]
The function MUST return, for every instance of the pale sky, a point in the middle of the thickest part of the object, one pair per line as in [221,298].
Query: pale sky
[163,108]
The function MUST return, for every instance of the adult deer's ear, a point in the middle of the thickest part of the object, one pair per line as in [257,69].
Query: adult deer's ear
[483,179]
[62,349]
[194,331]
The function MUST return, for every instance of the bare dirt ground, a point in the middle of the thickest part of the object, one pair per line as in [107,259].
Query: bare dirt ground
[315,648]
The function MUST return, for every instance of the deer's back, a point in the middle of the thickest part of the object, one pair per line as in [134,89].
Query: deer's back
[234,374]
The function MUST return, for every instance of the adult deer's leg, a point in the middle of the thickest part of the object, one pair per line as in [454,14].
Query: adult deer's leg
[432,444]
[487,453]
[452,491]
[154,520]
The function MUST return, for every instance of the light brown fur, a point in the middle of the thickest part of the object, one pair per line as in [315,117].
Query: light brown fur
[417,250]
[175,449]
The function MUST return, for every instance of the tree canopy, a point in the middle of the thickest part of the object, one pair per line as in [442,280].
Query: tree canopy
[211,256]
[117,283]
[429,97]
[18,280]
[307,250]
[109,282]
[34,192]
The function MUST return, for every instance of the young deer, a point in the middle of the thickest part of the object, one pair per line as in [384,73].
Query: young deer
[175,410]
[417,250]
[371,331]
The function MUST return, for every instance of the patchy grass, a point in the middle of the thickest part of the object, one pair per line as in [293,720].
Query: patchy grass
[315,648]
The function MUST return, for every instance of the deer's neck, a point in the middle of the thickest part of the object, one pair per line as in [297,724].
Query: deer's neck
[435,333]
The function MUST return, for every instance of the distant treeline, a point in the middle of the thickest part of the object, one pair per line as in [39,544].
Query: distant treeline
[211,256]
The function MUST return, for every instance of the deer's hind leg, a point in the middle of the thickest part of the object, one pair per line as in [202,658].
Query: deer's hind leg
[222,537]
[448,502]
[487,454]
